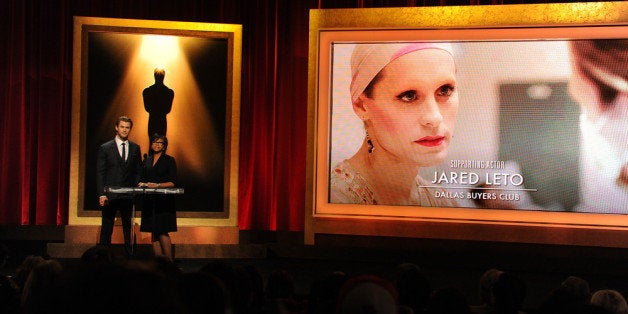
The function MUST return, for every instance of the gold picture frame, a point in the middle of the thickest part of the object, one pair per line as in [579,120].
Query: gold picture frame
[113,62]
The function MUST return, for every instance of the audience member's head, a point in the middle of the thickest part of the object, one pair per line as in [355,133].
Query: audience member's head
[236,282]
[203,293]
[280,285]
[509,292]
[367,294]
[222,271]
[610,300]
[4,254]
[159,264]
[253,287]
[139,291]
[487,281]
[412,285]
[42,284]
[571,296]
[589,309]
[578,288]
[25,268]
[97,255]
[448,301]
[324,293]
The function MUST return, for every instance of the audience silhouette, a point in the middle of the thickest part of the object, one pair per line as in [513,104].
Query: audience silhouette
[104,281]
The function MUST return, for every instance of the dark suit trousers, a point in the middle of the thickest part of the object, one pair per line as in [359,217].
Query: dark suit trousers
[125,206]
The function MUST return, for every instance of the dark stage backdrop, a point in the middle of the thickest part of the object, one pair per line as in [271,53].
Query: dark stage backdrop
[36,103]
[196,139]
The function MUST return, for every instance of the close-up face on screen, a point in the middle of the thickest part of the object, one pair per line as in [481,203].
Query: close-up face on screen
[535,125]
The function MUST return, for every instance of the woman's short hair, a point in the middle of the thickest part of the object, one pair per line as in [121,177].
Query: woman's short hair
[156,137]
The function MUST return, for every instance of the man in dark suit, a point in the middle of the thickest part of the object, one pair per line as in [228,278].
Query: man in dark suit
[158,103]
[118,165]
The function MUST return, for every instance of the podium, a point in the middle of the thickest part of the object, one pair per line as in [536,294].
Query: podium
[140,191]
[200,234]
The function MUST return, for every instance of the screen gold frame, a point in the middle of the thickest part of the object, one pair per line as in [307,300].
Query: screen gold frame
[226,218]
[442,23]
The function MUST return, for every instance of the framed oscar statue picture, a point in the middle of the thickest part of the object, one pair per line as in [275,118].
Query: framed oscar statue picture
[116,62]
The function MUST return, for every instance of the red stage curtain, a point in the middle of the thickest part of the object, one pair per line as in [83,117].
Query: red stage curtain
[36,77]
[36,84]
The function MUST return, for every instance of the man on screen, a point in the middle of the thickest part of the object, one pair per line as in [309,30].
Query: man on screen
[118,165]
[600,85]
[406,96]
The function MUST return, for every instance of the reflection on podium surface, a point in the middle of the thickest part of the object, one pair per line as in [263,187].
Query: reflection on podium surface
[131,190]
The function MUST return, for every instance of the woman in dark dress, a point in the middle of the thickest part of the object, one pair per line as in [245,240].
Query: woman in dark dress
[159,170]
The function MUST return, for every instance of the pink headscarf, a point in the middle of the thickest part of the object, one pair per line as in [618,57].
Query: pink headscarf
[369,59]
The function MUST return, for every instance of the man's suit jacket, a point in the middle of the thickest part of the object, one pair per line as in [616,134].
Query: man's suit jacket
[113,171]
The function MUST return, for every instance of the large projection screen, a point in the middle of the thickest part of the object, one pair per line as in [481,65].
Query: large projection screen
[531,153]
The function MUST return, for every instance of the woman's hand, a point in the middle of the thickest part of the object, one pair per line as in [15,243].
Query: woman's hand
[102,201]
[152,185]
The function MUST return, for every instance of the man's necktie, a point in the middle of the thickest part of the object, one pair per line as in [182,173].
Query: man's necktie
[123,151]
